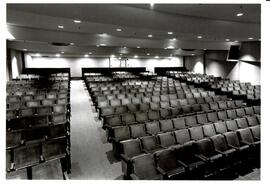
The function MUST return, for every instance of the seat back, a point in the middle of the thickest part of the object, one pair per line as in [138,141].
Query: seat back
[220,127]
[121,133]
[166,160]
[231,114]
[212,116]
[166,125]
[179,123]
[231,104]
[153,115]
[154,106]
[256,131]
[204,147]
[219,142]
[242,122]
[231,125]
[166,139]
[202,118]
[132,107]
[152,128]
[249,111]
[213,106]
[114,120]
[209,130]
[222,105]
[144,106]
[141,117]
[182,136]
[185,152]
[240,112]
[245,135]
[165,113]
[196,133]
[191,121]
[222,115]
[149,142]
[205,107]
[131,147]
[137,130]
[232,139]
[257,109]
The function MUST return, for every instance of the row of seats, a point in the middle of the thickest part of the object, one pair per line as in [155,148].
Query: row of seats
[194,160]
[39,96]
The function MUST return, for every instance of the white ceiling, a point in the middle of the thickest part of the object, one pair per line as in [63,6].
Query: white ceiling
[35,27]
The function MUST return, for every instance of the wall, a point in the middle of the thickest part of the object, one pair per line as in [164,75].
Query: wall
[216,64]
[14,64]
[77,63]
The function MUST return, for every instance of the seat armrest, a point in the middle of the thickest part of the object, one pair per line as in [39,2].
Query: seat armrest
[134,177]
[257,139]
[162,146]
[202,157]
[220,152]
[246,143]
[234,147]
[182,163]
[146,151]
[125,158]
[160,170]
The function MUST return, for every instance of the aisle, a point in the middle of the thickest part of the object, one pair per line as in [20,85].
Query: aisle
[91,155]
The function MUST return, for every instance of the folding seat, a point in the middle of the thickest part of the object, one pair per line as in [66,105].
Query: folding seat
[189,95]
[206,151]
[14,105]
[152,128]
[13,98]
[121,96]
[209,130]
[139,95]
[258,116]
[166,139]
[222,147]
[150,144]
[231,104]
[13,139]
[56,131]
[196,95]
[168,165]
[27,112]
[186,156]
[231,114]
[174,103]
[131,148]
[222,115]
[191,121]
[104,103]
[200,100]
[187,109]
[44,110]
[246,137]
[213,106]
[204,94]
[196,133]
[166,125]
[132,107]
[62,96]
[153,115]
[252,121]
[165,104]
[137,130]
[35,134]
[181,95]
[202,119]
[223,97]
[51,96]
[208,99]
[128,119]
[34,103]
[154,106]
[257,109]
[220,127]
[144,106]
[11,114]
[249,111]
[146,99]
[143,168]
[27,98]
[120,133]
[27,155]
[122,109]
[115,102]
[155,99]
[112,121]
[141,117]
[183,102]
[241,122]
[205,107]
[164,98]
[156,93]
[212,117]
[54,149]
[172,96]
[179,123]
[62,101]
[59,109]
[8,160]
[125,101]
[211,93]
[191,101]
[240,112]
[239,103]
[222,105]
[231,125]
[165,113]
[196,108]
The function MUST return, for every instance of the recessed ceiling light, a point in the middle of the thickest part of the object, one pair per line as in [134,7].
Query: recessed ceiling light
[156,56]
[173,39]
[103,45]
[227,40]
[138,47]
[72,43]
[60,26]
[170,33]
[152,5]
[121,54]
[147,53]
[135,56]
[199,36]
[204,49]
[149,35]
[118,29]
[90,53]
[77,21]
[24,49]
[239,14]
[124,47]
[192,54]
[86,55]
[97,45]
[62,52]
[112,56]
[170,47]
[119,58]
[250,38]
[57,55]
[236,41]
[37,55]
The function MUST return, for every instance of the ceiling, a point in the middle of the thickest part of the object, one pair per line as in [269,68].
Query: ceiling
[35,27]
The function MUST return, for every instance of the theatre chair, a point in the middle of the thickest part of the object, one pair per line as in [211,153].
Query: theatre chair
[128,119]
[191,121]
[143,168]
[166,125]
[231,125]
[166,139]
[168,165]
[179,123]
[209,130]
[150,144]
[54,149]
[152,128]
[196,133]
[241,122]
[137,130]
[220,127]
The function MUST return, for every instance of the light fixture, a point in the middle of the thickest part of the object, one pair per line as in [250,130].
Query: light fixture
[151,5]
[250,38]
[170,33]
[71,43]
[135,56]
[138,47]
[103,45]
[37,55]
[236,41]
[170,47]
[156,56]
[62,52]
[60,26]
[118,29]
[86,55]
[90,53]
[149,35]
[148,54]
[239,14]
[124,47]
[24,49]
[112,56]
[204,49]
[173,39]
[192,54]
[121,54]
[97,45]
[119,58]
[199,36]
[227,40]
[77,21]
[57,55]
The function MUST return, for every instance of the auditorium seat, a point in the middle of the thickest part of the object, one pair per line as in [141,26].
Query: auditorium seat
[152,128]
[249,111]
[222,115]
[166,139]
[54,149]
[209,130]
[128,119]
[166,125]
[231,114]
[196,133]
[202,119]
[246,137]
[179,123]
[13,139]
[122,109]
[141,117]
[168,165]
[257,109]
[241,122]
[165,113]
[220,127]
[205,107]
[132,107]
[137,130]
[191,121]
[143,168]
[150,144]
[112,121]
[212,117]
[153,115]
